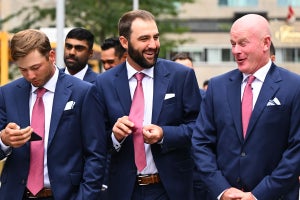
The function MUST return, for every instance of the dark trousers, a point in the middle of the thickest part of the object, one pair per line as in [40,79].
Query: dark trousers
[149,192]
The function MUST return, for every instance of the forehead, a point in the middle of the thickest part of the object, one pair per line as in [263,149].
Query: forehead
[108,53]
[140,27]
[31,59]
[76,42]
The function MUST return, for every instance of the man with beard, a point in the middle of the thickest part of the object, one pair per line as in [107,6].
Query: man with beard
[78,50]
[162,168]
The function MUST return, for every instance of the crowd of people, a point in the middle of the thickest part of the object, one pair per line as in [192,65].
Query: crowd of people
[143,129]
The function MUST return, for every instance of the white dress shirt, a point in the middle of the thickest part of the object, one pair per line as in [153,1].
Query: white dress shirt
[79,74]
[148,96]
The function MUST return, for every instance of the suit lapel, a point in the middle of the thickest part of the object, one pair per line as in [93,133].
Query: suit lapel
[122,88]
[234,99]
[61,97]
[161,83]
[22,103]
[267,92]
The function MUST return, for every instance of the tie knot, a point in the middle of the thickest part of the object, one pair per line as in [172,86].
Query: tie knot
[40,92]
[139,76]
[250,80]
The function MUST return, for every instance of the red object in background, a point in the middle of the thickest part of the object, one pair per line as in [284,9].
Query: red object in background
[291,17]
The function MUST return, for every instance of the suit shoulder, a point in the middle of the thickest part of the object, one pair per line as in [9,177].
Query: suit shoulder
[68,79]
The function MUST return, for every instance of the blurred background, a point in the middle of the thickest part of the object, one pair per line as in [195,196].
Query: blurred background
[197,27]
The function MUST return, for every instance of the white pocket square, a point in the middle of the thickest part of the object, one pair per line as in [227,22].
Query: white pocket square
[169,96]
[70,105]
[274,102]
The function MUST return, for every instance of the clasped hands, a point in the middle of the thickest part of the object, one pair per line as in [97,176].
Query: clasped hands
[123,127]
[236,194]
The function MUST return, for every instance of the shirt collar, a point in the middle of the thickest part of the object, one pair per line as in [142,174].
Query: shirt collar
[79,74]
[51,84]
[131,71]
[259,74]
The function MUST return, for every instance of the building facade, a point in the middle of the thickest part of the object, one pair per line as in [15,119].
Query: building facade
[209,23]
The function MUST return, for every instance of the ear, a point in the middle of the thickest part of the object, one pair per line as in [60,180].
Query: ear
[124,42]
[52,56]
[91,53]
[267,42]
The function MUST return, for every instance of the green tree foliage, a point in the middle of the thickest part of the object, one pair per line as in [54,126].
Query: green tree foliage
[101,17]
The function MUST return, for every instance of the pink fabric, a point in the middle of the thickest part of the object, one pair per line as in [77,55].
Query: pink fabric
[136,115]
[35,180]
[247,104]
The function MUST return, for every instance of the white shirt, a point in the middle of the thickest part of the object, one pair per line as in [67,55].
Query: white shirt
[79,74]
[260,76]
[148,96]
[48,103]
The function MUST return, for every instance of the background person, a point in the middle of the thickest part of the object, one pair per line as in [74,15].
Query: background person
[168,117]
[184,59]
[256,158]
[77,52]
[73,146]
[112,53]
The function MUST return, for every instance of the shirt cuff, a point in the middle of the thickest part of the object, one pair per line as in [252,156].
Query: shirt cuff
[117,145]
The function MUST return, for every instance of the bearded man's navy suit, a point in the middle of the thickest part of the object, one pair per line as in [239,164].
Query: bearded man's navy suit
[175,115]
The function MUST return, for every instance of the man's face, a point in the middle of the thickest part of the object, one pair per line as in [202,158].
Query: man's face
[36,68]
[143,47]
[76,54]
[109,58]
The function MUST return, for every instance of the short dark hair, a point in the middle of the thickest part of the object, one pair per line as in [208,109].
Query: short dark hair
[126,20]
[82,34]
[181,56]
[115,43]
[206,82]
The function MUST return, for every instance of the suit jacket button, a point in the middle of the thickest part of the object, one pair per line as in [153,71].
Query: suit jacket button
[238,179]
[243,154]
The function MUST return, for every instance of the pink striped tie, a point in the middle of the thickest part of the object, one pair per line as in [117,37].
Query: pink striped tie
[136,115]
[247,104]
[35,180]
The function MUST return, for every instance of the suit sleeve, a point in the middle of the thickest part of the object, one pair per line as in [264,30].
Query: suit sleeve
[94,142]
[203,142]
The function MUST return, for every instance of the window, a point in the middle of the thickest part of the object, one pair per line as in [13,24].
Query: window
[239,2]
[226,55]
[288,2]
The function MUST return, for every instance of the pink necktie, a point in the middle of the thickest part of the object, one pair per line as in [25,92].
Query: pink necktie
[136,115]
[247,104]
[35,180]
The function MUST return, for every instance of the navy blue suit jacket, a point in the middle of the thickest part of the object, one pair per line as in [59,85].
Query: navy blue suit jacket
[76,152]
[176,116]
[267,161]
[90,76]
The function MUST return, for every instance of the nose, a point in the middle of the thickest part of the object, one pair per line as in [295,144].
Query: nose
[31,75]
[235,49]
[152,43]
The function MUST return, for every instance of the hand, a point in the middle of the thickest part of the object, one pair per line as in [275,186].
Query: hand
[232,194]
[122,128]
[15,137]
[152,133]
[236,194]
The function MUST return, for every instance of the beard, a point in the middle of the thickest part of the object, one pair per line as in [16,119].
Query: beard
[138,57]
[76,65]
